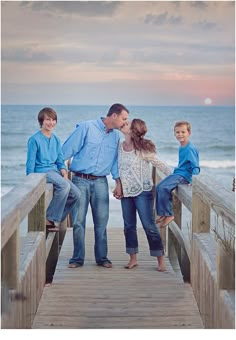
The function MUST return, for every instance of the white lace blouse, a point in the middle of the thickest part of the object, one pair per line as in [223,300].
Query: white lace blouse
[135,170]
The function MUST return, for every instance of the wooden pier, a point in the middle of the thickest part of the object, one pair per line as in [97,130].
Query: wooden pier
[197,291]
[95,297]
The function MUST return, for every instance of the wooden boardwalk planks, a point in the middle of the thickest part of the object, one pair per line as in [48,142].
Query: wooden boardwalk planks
[96,297]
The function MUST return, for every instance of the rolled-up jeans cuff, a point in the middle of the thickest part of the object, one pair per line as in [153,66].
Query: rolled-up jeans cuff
[131,250]
[157,253]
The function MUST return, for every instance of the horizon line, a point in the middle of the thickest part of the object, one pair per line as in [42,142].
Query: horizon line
[147,105]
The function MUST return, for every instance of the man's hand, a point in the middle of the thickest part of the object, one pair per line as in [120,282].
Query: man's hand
[118,192]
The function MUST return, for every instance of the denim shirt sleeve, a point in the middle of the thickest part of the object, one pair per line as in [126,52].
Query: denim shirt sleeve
[114,169]
[74,142]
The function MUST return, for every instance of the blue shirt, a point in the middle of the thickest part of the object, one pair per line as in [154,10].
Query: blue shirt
[44,154]
[188,162]
[94,150]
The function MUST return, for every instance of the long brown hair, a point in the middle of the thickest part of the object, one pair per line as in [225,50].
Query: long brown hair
[138,129]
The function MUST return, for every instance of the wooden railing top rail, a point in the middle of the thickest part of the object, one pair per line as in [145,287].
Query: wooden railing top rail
[217,197]
[18,203]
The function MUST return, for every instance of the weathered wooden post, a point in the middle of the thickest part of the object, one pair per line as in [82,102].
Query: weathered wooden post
[156,179]
[37,216]
[201,212]
[10,251]
[181,252]
[177,207]
[225,266]
[200,224]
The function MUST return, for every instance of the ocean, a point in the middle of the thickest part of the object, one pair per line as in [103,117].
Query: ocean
[213,133]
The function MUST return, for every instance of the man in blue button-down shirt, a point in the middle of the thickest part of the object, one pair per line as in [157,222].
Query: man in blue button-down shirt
[94,147]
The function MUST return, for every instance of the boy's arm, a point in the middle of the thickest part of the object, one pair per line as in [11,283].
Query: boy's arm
[194,161]
[31,156]
[60,158]
[61,164]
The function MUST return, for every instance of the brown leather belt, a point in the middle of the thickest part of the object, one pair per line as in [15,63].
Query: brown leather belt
[87,176]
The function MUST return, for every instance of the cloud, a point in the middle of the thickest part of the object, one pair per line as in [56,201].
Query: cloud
[75,8]
[199,4]
[162,19]
[103,42]
[205,25]
[24,55]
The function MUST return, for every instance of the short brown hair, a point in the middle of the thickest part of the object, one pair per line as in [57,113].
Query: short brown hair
[46,111]
[183,122]
[117,108]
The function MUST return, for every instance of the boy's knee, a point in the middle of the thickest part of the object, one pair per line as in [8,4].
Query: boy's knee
[65,187]
[163,190]
[159,187]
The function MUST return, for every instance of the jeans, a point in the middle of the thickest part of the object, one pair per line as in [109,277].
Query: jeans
[65,196]
[164,205]
[143,203]
[93,192]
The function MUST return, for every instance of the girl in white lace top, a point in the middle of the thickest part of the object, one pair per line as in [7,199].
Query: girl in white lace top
[135,156]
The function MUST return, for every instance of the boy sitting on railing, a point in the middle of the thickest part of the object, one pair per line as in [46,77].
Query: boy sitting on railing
[45,155]
[188,166]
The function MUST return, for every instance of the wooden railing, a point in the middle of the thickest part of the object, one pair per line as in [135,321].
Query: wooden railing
[27,263]
[206,259]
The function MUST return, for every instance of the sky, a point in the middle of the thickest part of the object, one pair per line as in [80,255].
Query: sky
[132,52]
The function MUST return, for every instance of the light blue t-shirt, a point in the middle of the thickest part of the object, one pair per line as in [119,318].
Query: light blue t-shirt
[94,150]
[188,162]
[44,154]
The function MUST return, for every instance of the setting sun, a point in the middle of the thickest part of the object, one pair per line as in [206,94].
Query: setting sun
[208,101]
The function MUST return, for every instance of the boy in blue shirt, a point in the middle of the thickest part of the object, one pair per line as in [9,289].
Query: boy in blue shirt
[44,155]
[188,166]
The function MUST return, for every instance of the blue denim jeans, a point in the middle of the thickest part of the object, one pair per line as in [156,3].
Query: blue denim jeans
[93,192]
[164,205]
[65,196]
[143,203]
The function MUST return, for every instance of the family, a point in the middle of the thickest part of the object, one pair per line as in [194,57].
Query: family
[97,151]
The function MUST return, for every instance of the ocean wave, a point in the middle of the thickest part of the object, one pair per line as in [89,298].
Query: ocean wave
[5,190]
[217,164]
[214,164]
[221,147]
[167,148]
[13,166]
[8,148]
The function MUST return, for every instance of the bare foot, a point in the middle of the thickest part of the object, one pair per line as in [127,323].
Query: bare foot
[161,264]
[159,269]
[160,219]
[49,223]
[166,221]
[131,265]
